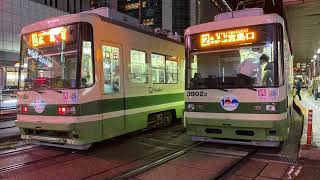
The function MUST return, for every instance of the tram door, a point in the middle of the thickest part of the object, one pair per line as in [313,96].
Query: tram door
[113,89]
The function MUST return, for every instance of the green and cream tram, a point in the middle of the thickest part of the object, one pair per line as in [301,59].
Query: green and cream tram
[237,79]
[95,75]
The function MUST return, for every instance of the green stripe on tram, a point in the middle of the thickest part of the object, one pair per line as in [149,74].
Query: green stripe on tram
[111,105]
[245,107]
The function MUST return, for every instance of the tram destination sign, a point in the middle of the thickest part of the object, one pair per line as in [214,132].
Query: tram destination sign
[49,37]
[244,35]
[232,37]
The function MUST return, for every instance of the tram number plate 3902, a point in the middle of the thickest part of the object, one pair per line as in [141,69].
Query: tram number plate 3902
[197,93]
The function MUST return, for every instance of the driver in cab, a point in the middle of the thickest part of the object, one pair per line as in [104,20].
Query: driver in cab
[266,70]
[247,70]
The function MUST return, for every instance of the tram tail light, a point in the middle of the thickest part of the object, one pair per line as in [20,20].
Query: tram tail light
[67,110]
[24,109]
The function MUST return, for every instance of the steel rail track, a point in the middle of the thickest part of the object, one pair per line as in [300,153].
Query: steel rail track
[234,166]
[158,162]
[19,149]
[2,128]
[21,165]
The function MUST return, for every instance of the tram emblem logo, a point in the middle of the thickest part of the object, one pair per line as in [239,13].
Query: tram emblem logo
[262,92]
[270,93]
[39,105]
[229,103]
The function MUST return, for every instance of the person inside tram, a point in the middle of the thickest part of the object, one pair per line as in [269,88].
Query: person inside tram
[266,70]
[247,71]
[116,80]
[197,81]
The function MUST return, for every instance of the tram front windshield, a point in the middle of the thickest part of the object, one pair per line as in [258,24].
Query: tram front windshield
[245,67]
[49,58]
[242,57]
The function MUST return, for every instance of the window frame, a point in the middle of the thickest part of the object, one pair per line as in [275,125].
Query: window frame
[177,61]
[191,53]
[275,38]
[165,67]
[79,55]
[192,69]
[280,55]
[79,64]
[120,64]
[146,63]
[158,68]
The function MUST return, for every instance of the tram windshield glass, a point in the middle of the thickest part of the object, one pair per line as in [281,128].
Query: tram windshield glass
[49,58]
[248,66]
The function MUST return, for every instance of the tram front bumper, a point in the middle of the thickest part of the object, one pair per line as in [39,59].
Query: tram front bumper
[60,129]
[262,130]
[45,126]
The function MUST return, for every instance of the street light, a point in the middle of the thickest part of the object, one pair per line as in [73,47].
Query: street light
[315,57]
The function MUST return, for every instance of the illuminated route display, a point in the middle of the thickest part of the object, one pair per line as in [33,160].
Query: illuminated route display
[48,37]
[227,37]
[232,38]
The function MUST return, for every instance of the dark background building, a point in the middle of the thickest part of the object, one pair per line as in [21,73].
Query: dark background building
[166,14]
[76,6]
[181,15]
[151,11]
[173,15]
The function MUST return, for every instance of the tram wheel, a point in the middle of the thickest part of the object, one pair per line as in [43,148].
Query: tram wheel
[160,119]
[168,117]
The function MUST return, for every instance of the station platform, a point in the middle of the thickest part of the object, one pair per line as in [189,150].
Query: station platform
[309,103]
[309,154]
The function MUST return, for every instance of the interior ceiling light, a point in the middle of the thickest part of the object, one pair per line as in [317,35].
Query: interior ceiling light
[318,52]
[315,56]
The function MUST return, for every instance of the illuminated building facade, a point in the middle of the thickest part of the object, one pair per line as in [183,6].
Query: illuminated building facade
[165,14]
[14,15]
[76,6]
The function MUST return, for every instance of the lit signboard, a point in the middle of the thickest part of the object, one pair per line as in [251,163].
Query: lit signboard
[48,37]
[148,22]
[228,37]
[233,37]
[134,6]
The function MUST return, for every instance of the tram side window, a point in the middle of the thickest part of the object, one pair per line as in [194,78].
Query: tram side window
[158,68]
[138,67]
[111,69]
[87,71]
[171,72]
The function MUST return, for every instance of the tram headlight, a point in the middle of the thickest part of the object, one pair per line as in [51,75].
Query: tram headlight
[191,107]
[270,107]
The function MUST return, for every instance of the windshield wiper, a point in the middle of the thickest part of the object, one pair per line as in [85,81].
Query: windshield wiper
[251,88]
[58,91]
[225,90]
[40,92]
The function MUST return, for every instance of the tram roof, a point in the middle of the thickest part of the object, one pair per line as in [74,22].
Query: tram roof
[86,16]
[234,22]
